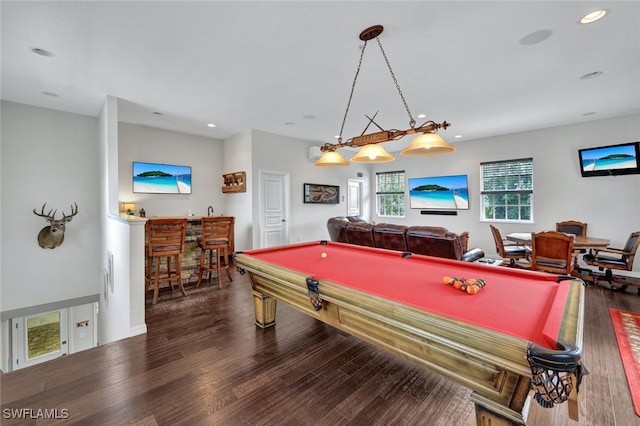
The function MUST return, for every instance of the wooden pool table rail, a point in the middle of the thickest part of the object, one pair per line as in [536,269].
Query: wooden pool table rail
[493,365]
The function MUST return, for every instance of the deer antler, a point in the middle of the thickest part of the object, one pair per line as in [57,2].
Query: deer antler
[48,216]
[73,213]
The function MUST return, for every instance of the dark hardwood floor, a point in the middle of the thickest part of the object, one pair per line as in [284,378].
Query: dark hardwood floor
[203,361]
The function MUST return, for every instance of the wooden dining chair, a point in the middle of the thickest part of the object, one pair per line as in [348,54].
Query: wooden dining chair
[508,249]
[165,239]
[552,251]
[573,227]
[216,233]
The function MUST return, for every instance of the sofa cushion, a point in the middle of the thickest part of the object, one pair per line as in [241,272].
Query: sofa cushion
[390,236]
[360,233]
[446,246]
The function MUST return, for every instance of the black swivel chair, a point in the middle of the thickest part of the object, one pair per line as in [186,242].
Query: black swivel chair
[507,249]
[609,259]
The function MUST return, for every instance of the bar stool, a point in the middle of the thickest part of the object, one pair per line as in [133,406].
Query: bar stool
[165,238]
[215,239]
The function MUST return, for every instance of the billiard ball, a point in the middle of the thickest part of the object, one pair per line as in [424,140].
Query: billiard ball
[323,255]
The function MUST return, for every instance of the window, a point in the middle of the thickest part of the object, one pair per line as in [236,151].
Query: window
[507,190]
[390,194]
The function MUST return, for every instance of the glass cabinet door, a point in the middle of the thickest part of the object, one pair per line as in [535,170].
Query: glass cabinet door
[38,338]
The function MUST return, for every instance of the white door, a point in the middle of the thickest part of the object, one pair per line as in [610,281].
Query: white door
[274,208]
[354,197]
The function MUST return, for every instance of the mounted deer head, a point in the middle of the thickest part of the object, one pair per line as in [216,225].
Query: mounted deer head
[53,235]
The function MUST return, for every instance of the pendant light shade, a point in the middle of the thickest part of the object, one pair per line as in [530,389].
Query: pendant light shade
[331,159]
[372,153]
[427,144]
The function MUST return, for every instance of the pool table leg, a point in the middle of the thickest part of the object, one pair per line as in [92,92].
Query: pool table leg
[485,417]
[490,413]
[265,309]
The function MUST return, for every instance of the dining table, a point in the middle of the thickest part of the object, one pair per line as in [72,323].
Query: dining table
[579,241]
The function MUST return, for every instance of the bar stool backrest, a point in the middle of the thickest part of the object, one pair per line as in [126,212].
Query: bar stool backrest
[166,236]
[216,230]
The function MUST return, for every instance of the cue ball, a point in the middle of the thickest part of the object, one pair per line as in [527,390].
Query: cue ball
[323,255]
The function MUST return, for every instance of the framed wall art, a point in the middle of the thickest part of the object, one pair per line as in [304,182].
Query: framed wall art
[321,194]
[155,178]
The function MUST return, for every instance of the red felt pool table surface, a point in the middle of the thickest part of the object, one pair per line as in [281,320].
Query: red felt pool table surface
[520,303]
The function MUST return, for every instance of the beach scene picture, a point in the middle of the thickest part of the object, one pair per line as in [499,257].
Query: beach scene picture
[152,178]
[439,192]
[608,158]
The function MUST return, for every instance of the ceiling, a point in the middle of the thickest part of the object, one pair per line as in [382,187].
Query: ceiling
[287,67]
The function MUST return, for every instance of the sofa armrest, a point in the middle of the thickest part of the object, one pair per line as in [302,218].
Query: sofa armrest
[337,228]
[473,255]
[464,240]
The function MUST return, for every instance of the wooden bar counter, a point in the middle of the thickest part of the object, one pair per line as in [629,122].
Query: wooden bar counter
[191,256]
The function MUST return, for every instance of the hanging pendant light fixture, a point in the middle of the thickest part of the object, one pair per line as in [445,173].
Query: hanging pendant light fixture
[372,153]
[331,159]
[426,143]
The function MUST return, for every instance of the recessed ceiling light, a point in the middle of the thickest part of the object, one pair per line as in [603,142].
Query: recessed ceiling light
[592,17]
[211,125]
[422,115]
[457,136]
[337,136]
[51,94]
[589,75]
[42,52]
[535,37]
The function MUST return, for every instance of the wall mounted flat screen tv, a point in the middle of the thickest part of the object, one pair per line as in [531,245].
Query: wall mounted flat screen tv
[612,160]
[439,192]
[154,178]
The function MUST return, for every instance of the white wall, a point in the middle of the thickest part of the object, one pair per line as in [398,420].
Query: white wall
[122,303]
[609,205]
[271,152]
[237,158]
[48,156]
[122,291]
[152,145]
[249,151]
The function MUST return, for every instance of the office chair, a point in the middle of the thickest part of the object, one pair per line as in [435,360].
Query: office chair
[615,259]
[507,249]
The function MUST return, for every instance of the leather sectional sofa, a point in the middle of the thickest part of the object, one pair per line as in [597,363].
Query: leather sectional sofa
[427,240]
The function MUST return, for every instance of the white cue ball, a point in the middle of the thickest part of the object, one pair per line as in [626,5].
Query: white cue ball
[323,255]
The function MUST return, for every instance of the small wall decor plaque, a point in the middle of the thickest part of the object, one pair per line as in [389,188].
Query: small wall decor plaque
[234,182]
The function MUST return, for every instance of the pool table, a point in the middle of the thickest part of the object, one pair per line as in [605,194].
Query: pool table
[519,336]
